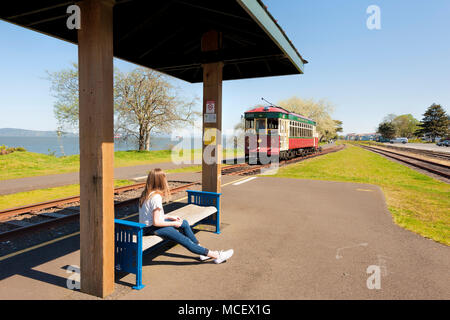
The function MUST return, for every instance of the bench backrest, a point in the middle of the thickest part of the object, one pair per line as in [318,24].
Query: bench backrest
[204,198]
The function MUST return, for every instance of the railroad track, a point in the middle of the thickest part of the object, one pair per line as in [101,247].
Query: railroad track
[427,165]
[430,153]
[60,211]
[246,169]
[63,214]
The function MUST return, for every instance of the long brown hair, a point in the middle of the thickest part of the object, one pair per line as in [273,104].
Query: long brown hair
[157,182]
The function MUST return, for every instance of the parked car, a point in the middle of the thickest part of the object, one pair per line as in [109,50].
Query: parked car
[398,140]
[443,143]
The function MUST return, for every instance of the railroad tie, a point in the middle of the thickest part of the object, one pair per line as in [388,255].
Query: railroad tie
[19,223]
[53,215]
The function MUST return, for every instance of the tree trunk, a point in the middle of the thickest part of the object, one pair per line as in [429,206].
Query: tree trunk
[147,141]
[141,139]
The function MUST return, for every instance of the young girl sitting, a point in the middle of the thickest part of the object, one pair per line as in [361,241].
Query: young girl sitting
[151,213]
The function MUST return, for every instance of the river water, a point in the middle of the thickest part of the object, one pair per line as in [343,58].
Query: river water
[70,145]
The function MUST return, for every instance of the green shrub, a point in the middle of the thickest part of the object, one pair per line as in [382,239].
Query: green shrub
[51,153]
[6,150]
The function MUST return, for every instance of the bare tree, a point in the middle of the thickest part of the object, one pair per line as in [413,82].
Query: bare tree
[147,103]
[64,87]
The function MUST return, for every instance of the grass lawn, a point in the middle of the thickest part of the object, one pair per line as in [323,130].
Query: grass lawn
[29,197]
[417,202]
[26,164]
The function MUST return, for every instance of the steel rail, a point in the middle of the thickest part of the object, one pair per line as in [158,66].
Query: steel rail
[61,220]
[8,213]
[416,162]
[291,161]
[430,153]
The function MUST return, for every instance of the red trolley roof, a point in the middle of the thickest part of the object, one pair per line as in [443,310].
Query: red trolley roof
[292,115]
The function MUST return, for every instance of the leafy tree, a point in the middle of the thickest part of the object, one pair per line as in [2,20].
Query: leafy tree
[387,130]
[435,122]
[338,128]
[405,125]
[320,111]
[338,125]
[389,118]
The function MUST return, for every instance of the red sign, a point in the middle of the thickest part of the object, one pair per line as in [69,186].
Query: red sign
[210,107]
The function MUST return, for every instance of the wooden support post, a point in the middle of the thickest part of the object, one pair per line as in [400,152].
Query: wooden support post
[95,67]
[212,115]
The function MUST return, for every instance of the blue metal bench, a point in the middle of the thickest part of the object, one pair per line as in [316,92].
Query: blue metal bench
[130,243]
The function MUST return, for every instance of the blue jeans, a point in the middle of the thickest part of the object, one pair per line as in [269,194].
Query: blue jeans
[183,236]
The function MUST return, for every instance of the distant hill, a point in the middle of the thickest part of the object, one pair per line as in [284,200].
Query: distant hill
[13,132]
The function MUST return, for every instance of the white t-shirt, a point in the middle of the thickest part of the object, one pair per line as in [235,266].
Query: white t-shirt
[146,211]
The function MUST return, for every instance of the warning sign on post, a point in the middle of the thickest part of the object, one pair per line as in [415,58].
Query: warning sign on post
[210,118]
[210,107]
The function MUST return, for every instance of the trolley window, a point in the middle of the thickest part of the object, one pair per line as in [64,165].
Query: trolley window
[261,124]
[272,123]
[249,124]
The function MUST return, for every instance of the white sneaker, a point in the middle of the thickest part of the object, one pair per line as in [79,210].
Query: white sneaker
[203,258]
[224,255]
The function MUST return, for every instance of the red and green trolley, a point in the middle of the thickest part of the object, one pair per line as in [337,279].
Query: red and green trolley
[274,131]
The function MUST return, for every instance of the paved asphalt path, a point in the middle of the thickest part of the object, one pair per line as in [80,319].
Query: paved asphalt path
[303,239]
[293,239]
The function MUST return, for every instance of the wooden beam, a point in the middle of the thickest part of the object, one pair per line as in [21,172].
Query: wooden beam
[212,130]
[64,4]
[95,63]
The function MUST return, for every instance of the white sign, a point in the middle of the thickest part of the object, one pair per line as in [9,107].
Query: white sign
[210,118]
[211,107]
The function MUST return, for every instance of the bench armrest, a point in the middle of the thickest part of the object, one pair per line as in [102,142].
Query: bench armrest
[128,248]
[134,225]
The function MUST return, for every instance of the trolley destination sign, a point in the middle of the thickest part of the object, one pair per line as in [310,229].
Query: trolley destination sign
[254,115]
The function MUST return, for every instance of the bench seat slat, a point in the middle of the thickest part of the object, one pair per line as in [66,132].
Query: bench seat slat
[192,213]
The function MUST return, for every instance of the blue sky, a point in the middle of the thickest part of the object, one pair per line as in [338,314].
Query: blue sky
[366,74]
